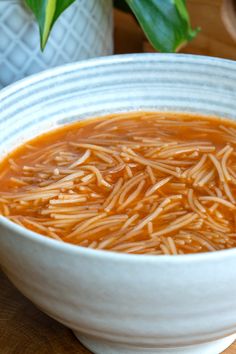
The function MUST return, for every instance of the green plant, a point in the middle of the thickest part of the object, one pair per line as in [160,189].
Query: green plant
[165,22]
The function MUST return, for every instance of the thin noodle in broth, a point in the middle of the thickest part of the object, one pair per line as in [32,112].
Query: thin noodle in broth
[141,183]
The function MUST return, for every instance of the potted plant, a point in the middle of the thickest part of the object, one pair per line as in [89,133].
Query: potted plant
[83,30]
[79,29]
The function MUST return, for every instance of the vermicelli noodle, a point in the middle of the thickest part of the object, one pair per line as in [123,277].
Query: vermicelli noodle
[143,183]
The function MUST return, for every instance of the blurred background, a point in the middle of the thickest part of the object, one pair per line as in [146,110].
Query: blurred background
[216,18]
[33,38]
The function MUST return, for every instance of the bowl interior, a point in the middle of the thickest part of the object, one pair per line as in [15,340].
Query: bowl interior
[116,84]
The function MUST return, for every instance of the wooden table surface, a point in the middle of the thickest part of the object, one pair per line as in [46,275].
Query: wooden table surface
[26,330]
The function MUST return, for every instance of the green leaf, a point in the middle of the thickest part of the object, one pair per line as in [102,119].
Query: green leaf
[61,7]
[46,13]
[165,22]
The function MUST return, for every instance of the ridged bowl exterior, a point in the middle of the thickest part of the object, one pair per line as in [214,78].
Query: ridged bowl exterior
[141,301]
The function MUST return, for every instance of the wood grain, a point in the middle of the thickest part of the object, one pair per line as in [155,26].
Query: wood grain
[26,330]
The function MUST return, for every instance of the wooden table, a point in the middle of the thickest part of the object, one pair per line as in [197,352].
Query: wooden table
[26,330]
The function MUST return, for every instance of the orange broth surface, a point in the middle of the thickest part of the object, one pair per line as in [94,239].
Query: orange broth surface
[142,182]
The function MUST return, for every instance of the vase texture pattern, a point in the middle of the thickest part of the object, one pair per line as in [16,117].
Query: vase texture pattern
[83,31]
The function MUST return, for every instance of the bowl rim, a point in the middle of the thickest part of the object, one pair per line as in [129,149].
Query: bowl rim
[116,58]
[104,254]
[111,255]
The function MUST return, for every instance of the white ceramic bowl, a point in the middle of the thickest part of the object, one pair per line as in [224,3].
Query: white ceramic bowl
[118,303]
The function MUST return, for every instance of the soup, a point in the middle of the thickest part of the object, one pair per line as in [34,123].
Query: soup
[143,183]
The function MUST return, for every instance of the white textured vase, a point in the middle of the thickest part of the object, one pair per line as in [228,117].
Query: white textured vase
[83,31]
